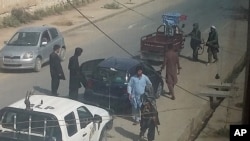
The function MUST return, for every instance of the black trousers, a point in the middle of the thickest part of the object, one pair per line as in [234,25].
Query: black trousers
[147,124]
[73,94]
[54,85]
[195,52]
[212,52]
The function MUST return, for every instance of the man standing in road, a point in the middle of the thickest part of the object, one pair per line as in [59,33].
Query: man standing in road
[56,70]
[136,88]
[172,64]
[195,42]
[213,45]
[74,77]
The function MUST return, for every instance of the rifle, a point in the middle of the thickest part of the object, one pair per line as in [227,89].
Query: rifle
[157,129]
[156,123]
[153,113]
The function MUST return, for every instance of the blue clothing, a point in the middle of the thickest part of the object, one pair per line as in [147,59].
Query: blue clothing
[136,87]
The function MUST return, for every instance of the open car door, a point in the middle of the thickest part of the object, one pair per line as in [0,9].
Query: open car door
[87,68]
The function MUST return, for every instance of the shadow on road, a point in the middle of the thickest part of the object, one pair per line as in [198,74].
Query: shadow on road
[127,134]
[126,117]
[18,71]
[166,96]
[21,71]
[42,90]
[191,59]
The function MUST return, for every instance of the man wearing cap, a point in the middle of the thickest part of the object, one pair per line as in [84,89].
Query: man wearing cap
[136,88]
[56,70]
[195,42]
[213,45]
[75,76]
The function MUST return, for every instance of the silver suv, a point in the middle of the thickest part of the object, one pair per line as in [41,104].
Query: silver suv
[30,48]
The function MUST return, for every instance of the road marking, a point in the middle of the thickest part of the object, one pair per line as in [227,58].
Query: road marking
[146,25]
[131,26]
[227,24]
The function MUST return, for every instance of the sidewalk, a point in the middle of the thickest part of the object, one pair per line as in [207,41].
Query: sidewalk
[230,112]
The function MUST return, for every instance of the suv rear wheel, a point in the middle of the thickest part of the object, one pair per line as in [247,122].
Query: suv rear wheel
[38,64]
[104,135]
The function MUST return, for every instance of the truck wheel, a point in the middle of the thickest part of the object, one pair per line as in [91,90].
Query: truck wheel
[159,90]
[104,135]
[62,54]
[38,64]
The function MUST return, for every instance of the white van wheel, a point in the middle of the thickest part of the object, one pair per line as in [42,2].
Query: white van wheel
[104,135]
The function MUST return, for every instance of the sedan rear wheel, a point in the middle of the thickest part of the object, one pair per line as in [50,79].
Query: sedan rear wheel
[38,64]
[159,90]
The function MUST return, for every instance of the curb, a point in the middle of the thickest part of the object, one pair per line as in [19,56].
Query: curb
[199,122]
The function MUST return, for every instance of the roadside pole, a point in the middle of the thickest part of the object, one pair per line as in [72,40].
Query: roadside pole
[246,100]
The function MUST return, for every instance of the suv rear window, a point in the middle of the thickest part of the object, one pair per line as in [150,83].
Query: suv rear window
[33,122]
[110,75]
[70,122]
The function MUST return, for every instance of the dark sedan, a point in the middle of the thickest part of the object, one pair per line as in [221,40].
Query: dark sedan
[107,81]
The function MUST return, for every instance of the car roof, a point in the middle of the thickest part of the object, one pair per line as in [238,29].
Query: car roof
[119,63]
[55,105]
[34,29]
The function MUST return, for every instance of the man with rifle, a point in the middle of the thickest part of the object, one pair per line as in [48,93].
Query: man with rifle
[195,42]
[149,118]
[213,45]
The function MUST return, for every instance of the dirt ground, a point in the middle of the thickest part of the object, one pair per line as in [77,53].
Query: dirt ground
[70,19]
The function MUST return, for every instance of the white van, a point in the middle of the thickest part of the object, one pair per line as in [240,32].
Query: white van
[49,118]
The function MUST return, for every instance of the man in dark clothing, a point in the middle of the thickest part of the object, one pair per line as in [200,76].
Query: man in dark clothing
[195,42]
[172,64]
[213,45]
[149,119]
[75,76]
[56,70]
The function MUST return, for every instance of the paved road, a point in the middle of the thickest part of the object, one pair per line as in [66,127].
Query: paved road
[126,29]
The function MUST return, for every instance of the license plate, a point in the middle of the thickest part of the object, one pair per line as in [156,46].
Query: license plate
[7,60]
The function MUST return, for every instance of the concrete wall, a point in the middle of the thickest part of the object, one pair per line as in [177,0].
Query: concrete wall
[7,5]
